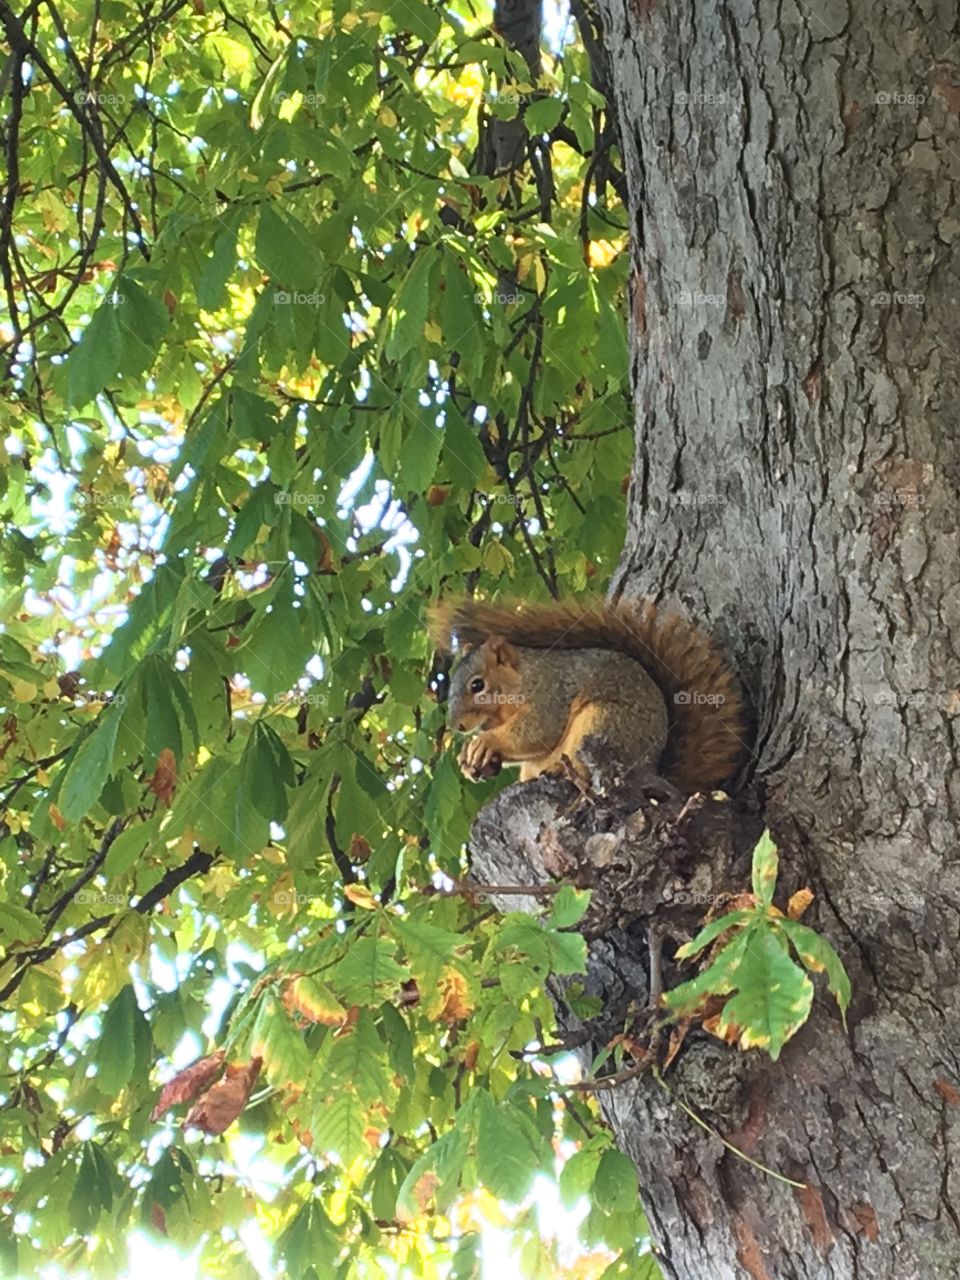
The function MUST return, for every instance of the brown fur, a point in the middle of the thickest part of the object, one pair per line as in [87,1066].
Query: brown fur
[707,742]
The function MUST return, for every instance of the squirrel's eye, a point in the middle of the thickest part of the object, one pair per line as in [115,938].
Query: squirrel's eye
[476,685]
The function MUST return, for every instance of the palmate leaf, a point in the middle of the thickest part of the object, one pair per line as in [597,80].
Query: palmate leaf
[427,949]
[368,970]
[773,998]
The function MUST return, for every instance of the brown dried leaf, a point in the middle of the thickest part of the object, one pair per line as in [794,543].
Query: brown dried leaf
[217,1109]
[164,780]
[798,903]
[712,1025]
[677,1037]
[188,1083]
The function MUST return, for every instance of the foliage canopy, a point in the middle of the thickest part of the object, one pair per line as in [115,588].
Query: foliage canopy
[282,361]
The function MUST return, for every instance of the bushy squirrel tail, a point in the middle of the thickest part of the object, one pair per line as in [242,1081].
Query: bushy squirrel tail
[710,725]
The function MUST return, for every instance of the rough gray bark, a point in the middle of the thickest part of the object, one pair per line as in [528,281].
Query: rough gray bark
[793,176]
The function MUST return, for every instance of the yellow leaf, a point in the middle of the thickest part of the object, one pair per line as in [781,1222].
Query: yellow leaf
[360,896]
[798,903]
[314,1001]
[600,253]
[452,1001]
[23,690]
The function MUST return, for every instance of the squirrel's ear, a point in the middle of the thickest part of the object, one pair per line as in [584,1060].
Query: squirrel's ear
[503,652]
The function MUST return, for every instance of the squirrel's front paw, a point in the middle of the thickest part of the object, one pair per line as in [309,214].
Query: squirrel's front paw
[478,760]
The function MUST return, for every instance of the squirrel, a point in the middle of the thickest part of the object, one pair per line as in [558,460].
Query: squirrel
[535,680]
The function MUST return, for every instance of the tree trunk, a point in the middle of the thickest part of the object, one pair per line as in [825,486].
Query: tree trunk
[793,176]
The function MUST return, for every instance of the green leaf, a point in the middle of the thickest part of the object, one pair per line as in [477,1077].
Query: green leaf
[338,1124]
[212,282]
[428,950]
[358,1059]
[463,460]
[115,1053]
[384,1184]
[414,16]
[717,979]
[615,1187]
[568,952]
[17,924]
[507,1159]
[143,322]
[163,723]
[277,653]
[820,957]
[309,1237]
[411,305]
[306,825]
[569,906]
[445,1159]
[368,971]
[286,1061]
[766,862]
[543,115]
[90,766]
[578,1173]
[285,250]
[88,1198]
[267,770]
[422,442]
[461,318]
[711,931]
[444,800]
[774,996]
[94,361]
[357,812]
[129,845]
